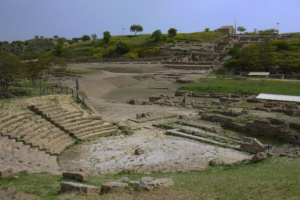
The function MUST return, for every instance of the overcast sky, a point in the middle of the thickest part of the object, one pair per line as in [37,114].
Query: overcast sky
[23,19]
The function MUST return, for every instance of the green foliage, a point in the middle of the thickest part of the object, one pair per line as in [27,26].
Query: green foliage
[234,52]
[282,45]
[106,36]
[58,49]
[285,53]
[241,29]
[206,29]
[198,36]
[136,28]
[172,32]
[85,38]
[122,48]
[244,86]
[157,35]
[271,31]
[10,70]
[94,36]
[38,65]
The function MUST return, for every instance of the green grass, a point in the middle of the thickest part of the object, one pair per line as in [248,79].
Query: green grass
[199,36]
[244,86]
[29,84]
[274,178]
[81,71]
[141,43]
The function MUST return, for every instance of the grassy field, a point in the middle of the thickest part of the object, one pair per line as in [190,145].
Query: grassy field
[244,86]
[274,178]
[198,36]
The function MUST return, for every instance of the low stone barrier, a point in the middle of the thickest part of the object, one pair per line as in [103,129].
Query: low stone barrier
[79,176]
[257,127]
[77,187]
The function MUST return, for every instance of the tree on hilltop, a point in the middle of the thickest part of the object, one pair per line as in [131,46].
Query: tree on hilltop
[241,29]
[157,35]
[136,28]
[206,29]
[85,38]
[172,32]
[94,36]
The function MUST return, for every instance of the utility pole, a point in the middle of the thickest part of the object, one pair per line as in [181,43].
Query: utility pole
[235,24]
[277,28]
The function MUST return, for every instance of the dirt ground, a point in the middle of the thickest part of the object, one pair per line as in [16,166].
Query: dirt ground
[109,91]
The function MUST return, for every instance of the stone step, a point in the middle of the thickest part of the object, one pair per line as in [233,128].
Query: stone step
[70,116]
[201,139]
[71,126]
[58,114]
[22,130]
[14,120]
[9,117]
[111,127]
[60,146]
[91,128]
[73,120]
[38,132]
[83,124]
[98,134]
[56,138]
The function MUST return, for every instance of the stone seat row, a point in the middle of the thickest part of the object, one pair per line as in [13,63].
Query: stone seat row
[75,123]
[34,130]
[21,157]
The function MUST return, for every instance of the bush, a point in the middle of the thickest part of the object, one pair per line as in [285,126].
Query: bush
[122,48]
[85,38]
[157,35]
[106,36]
[172,32]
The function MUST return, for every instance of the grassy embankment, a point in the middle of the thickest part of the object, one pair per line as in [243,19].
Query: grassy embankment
[244,86]
[140,44]
[274,178]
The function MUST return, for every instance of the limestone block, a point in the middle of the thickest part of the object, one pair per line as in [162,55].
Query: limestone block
[259,157]
[139,151]
[79,176]
[113,186]
[76,187]
[161,183]
[5,172]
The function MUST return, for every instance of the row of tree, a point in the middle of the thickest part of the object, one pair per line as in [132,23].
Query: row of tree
[31,66]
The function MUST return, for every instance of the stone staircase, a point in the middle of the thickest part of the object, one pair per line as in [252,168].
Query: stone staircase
[32,129]
[203,133]
[23,158]
[75,123]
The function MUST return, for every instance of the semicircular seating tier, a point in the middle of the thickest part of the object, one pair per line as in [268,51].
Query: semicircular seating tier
[76,123]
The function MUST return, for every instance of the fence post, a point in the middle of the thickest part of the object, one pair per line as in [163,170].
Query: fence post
[83,102]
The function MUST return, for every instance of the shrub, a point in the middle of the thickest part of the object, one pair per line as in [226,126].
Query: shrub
[172,32]
[122,48]
[157,35]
